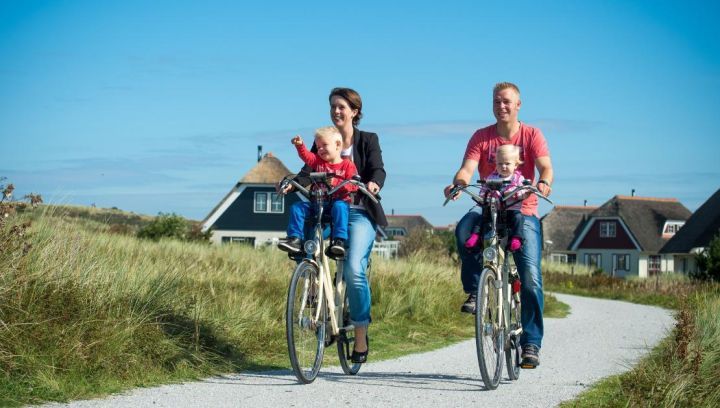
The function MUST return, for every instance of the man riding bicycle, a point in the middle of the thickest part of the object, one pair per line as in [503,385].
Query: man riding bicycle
[480,155]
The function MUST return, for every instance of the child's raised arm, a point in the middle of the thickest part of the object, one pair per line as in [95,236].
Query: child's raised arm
[297,140]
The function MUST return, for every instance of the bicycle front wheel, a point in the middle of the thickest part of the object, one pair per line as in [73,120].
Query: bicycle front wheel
[489,336]
[305,335]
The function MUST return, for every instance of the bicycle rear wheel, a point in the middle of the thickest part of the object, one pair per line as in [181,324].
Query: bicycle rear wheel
[489,336]
[514,351]
[346,343]
[305,337]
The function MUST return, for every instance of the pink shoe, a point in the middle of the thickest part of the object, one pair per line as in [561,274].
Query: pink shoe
[472,240]
[515,244]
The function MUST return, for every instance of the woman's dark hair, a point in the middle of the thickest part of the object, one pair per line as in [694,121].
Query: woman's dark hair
[353,99]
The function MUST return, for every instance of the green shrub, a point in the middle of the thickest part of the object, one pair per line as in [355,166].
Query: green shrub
[165,226]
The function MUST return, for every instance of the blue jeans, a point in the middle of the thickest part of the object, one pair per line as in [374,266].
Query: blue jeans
[528,264]
[360,242]
[300,210]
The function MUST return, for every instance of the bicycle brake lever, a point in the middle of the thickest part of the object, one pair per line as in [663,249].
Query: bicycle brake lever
[369,194]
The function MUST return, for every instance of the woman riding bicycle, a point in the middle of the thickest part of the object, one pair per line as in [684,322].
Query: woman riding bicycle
[363,149]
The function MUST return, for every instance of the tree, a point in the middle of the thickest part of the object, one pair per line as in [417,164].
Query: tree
[709,262]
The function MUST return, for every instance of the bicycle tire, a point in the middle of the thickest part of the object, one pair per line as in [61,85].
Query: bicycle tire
[489,336]
[346,343]
[514,351]
[306,341]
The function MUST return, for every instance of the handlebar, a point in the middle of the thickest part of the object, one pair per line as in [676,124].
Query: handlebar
[322,177]
[494,185]
[457,189]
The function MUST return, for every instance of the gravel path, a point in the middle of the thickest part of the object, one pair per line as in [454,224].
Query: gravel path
[599,338]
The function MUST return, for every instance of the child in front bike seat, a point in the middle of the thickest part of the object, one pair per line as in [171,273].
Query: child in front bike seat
[507,159]
[328,142]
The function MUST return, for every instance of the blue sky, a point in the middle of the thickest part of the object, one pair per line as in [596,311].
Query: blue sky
[159,106]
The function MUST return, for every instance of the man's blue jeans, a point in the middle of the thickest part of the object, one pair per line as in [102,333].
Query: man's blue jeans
[528,263]
[360,242]
[300,210]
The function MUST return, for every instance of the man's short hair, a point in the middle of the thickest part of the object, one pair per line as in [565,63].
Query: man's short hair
[505,85]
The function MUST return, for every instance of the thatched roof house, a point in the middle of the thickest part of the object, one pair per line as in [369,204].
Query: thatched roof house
[252,212]
[623,236]
[699,229]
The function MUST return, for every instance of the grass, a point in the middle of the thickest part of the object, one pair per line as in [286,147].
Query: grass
[85,311]
[684,369]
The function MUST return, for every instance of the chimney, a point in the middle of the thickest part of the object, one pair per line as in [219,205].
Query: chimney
[632,193]
[259,152]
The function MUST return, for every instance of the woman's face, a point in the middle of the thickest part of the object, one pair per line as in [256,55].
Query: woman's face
[341,113]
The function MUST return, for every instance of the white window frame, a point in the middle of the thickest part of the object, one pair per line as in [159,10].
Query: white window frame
[238,240]
[625,262]
[672,227]
[608,229]
[558,258]
[269,197]
[652,259]
[395,232]
[598,264]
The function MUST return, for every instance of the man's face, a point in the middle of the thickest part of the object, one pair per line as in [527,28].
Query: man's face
[506,104]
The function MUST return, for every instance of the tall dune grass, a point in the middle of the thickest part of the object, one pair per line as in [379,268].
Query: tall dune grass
[86,312]
[683,371]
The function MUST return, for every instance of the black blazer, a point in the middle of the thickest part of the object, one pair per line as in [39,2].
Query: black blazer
[367,157]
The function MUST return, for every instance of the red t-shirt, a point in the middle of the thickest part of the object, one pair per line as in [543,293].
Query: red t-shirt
[344,170]
[532,143]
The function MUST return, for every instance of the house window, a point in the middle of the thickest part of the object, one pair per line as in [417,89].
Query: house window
[558,258]
[572,258]
[607,229]
[671,227]
[239,240]
[269,203]
[593,260]
[395,232]
[622,262]
[654,264]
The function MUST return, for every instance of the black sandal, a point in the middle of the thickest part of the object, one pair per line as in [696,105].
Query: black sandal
[358,357]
